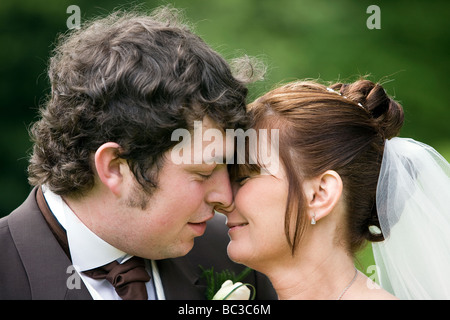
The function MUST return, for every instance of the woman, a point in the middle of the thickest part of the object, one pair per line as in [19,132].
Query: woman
[303,224]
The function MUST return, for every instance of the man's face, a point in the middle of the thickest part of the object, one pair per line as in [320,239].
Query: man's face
[165,223]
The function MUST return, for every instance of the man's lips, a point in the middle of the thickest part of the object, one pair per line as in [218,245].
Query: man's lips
[202,221]
[200,226]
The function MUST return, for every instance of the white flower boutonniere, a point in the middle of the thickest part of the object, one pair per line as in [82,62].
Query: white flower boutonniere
[231,287]
[230,291]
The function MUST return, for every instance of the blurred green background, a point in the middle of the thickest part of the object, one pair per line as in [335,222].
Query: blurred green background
[318,39]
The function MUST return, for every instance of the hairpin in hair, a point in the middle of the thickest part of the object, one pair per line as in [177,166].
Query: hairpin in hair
[337,92]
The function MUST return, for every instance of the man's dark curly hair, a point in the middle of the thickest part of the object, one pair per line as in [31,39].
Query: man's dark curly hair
[132,79]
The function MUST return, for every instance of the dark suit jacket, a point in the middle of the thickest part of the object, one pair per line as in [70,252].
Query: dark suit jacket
[34,266]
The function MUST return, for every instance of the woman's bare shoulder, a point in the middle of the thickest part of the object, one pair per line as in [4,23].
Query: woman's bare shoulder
[365,289]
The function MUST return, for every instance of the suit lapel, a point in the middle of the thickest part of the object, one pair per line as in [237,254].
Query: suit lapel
[44,260]
[180,280]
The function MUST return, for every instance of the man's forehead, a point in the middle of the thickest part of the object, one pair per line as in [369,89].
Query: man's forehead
[206,143]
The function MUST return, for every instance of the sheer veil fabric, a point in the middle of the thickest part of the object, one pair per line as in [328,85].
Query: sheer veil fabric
[413,204]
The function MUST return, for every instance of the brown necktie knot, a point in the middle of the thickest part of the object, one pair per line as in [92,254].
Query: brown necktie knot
[128,278]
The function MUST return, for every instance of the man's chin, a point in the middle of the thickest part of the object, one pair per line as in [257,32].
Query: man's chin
[185,249]
[174,251]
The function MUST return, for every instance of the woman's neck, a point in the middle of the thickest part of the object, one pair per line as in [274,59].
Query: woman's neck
[317,274]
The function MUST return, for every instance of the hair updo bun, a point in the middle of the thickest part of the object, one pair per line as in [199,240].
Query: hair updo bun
[385,110]
[388,116]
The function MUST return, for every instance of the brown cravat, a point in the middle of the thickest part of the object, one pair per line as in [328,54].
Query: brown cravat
[128,278]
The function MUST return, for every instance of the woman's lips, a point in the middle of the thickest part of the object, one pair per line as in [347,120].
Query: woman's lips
[236,226]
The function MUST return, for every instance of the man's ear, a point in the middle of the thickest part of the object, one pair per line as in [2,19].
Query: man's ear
[109,166]
[323,193]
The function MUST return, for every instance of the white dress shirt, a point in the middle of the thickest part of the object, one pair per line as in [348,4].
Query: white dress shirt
[89,251]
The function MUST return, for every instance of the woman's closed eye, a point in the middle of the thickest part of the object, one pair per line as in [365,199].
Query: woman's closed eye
[241,180]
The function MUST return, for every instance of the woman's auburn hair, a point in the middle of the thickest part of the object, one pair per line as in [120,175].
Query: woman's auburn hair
[322,130]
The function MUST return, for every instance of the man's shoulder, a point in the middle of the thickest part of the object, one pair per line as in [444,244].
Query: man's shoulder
[3,225]
[33,264]
[14,219]
[5,234]
[12,272]
[24,222]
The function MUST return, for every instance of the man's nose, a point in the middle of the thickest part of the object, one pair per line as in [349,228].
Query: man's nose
[220,195]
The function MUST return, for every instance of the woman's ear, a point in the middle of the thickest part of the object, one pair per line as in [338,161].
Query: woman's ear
[323,193]
[108,166]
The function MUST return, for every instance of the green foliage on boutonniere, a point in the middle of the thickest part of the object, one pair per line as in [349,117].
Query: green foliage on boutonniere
[214,279]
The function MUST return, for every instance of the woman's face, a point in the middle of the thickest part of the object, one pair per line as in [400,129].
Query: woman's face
[257,235]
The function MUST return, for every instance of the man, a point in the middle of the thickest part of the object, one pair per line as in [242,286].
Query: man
[106,189]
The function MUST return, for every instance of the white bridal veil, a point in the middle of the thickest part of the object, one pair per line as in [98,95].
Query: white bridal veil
[413,204]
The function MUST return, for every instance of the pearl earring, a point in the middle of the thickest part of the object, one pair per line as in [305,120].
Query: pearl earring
[313,219]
